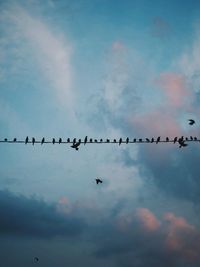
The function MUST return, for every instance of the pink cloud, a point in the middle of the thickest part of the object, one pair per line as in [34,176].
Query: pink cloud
[174,87]
[182,237]
[156,123]
[149,222]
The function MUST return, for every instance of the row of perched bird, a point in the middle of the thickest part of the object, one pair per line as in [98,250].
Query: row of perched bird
[76,143]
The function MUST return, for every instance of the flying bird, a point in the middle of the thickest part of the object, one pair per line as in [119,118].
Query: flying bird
[98,181]
[191,122]
[76,145]
[36,259]
[182,143]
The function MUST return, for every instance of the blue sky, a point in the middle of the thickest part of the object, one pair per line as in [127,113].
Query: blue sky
[105,69]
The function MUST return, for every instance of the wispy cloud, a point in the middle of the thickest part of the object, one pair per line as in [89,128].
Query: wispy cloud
[51,50]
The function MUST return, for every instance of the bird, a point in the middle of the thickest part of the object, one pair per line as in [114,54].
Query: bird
[108,141]
[127,140]
[120,141]
[167,139]
[90,140]
[98,181]
[42,142]
[60,140]
[147,140]
[76,145]
[53,141]
[191,138]
[15,139]
[68,140]
[140,140]
[36,259]
[175,139]
[95,140]
[5,140]
[33,141]
[158,140]
[26,140]
[114,140]
[134,140]
[182,143]
[74,141]
[191,122]
[152,140]
[85,140]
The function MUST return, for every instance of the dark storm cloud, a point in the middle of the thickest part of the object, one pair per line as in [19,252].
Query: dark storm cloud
[175,171]
[29,217]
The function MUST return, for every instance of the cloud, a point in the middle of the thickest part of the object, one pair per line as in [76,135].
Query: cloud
[50,49]
[148,220]
[175,89]
[29,217]
[141,238]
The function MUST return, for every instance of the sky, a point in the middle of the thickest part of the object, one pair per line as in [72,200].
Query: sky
[102,69]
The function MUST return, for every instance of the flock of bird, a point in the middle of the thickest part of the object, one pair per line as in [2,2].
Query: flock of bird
[76,143]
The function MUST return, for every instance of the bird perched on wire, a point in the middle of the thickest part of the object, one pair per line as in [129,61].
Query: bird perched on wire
[158,140]
[26,140]
[120,141]
[53,141]
[42,142]
[191,122]
[33,141]
[98,181]
[60,140]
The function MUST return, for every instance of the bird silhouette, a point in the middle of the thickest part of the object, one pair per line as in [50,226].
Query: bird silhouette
[42,142]
[191,138]
[195,138]
[147,140]
[15,139]
[5,140]
[108,140]
[158,140]
[60,140]
[175,139]
[140,140]
[167,139]
[114,141]
[95,140]
[33,141]
[152,140]
[74,141]
[101,140]
[90,140]
[85,140]
[191,122]
[98,181]
[76,145]
[182,143]
[53,141]
[68,140]
[36,259]
[26,140]
[120,141]
[127,140]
